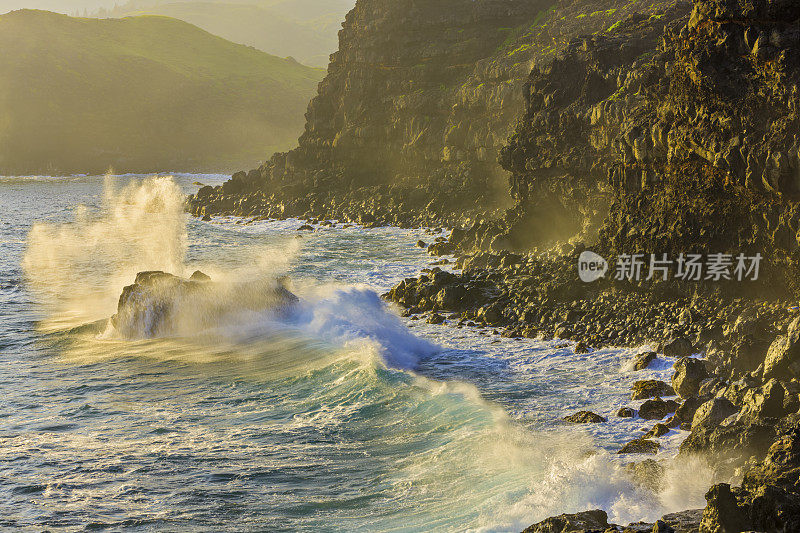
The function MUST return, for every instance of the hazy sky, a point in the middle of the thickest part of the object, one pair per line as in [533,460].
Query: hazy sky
[62,6]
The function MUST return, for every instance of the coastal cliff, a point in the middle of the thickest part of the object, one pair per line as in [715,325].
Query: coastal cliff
[416,106]
[644,127]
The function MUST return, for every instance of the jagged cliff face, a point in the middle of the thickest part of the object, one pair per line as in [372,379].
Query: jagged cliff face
[421,96]
[693,142]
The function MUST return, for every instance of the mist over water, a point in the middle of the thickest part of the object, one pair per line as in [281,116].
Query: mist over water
[333,415]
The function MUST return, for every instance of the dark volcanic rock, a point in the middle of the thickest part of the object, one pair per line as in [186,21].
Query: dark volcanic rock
[722,513]
[585,521]
[641,445]
[678,348]
[657,409]
[161,304]
[643,360]
[650,388]
[783,357]
[689,374]
[585,417]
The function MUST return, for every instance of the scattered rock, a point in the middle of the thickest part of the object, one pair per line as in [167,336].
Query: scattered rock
[641,445]
[659,430]
[689,374]
[435,318]
[679,347]
[585,417]
[657,409]
[626,412]
[584,521]
[643,360]
[582,347]
[650,388]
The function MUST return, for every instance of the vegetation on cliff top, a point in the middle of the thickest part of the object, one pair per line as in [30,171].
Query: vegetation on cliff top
[140,94]
[303,29]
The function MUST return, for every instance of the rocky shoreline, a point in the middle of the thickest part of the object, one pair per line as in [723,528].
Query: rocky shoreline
[648,127]
[735,386]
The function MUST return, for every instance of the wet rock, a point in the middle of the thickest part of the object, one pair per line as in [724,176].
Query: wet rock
[713,412]
[626,412]
[199,276]
[584,521]
[678,347]
[451,298]
[582,347]
[650,388]
[689,374]
[436,319]
[643,360]
[421,244]
[659,430]
[765,401]
[441,248]
[657,409]
[684,521]
[641,445]
[306,227]
[585,417]
[648,473]
[685,412]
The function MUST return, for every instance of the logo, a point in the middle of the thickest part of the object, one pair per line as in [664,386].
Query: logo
[591,266]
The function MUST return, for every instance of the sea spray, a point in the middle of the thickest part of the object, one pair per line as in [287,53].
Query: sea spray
[79,268]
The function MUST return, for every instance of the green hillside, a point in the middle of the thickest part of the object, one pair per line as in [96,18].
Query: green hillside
[140,94]
[304,29]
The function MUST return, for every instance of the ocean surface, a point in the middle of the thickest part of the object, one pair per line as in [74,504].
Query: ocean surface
[337,415]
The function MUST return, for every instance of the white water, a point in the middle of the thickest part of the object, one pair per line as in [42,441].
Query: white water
[338,415]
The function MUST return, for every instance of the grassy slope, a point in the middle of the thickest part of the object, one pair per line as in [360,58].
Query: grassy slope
[304,29]
[143,93]
[255,26]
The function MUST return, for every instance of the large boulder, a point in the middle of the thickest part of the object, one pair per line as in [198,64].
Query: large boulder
[713,412]
[765,401]
[160,304]
[678,347]
[722,513]
[783,357]
[689,375]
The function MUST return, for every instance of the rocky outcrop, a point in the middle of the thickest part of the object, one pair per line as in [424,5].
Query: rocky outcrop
[159,304]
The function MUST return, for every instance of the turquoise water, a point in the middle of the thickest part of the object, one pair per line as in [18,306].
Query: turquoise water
[339,416]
